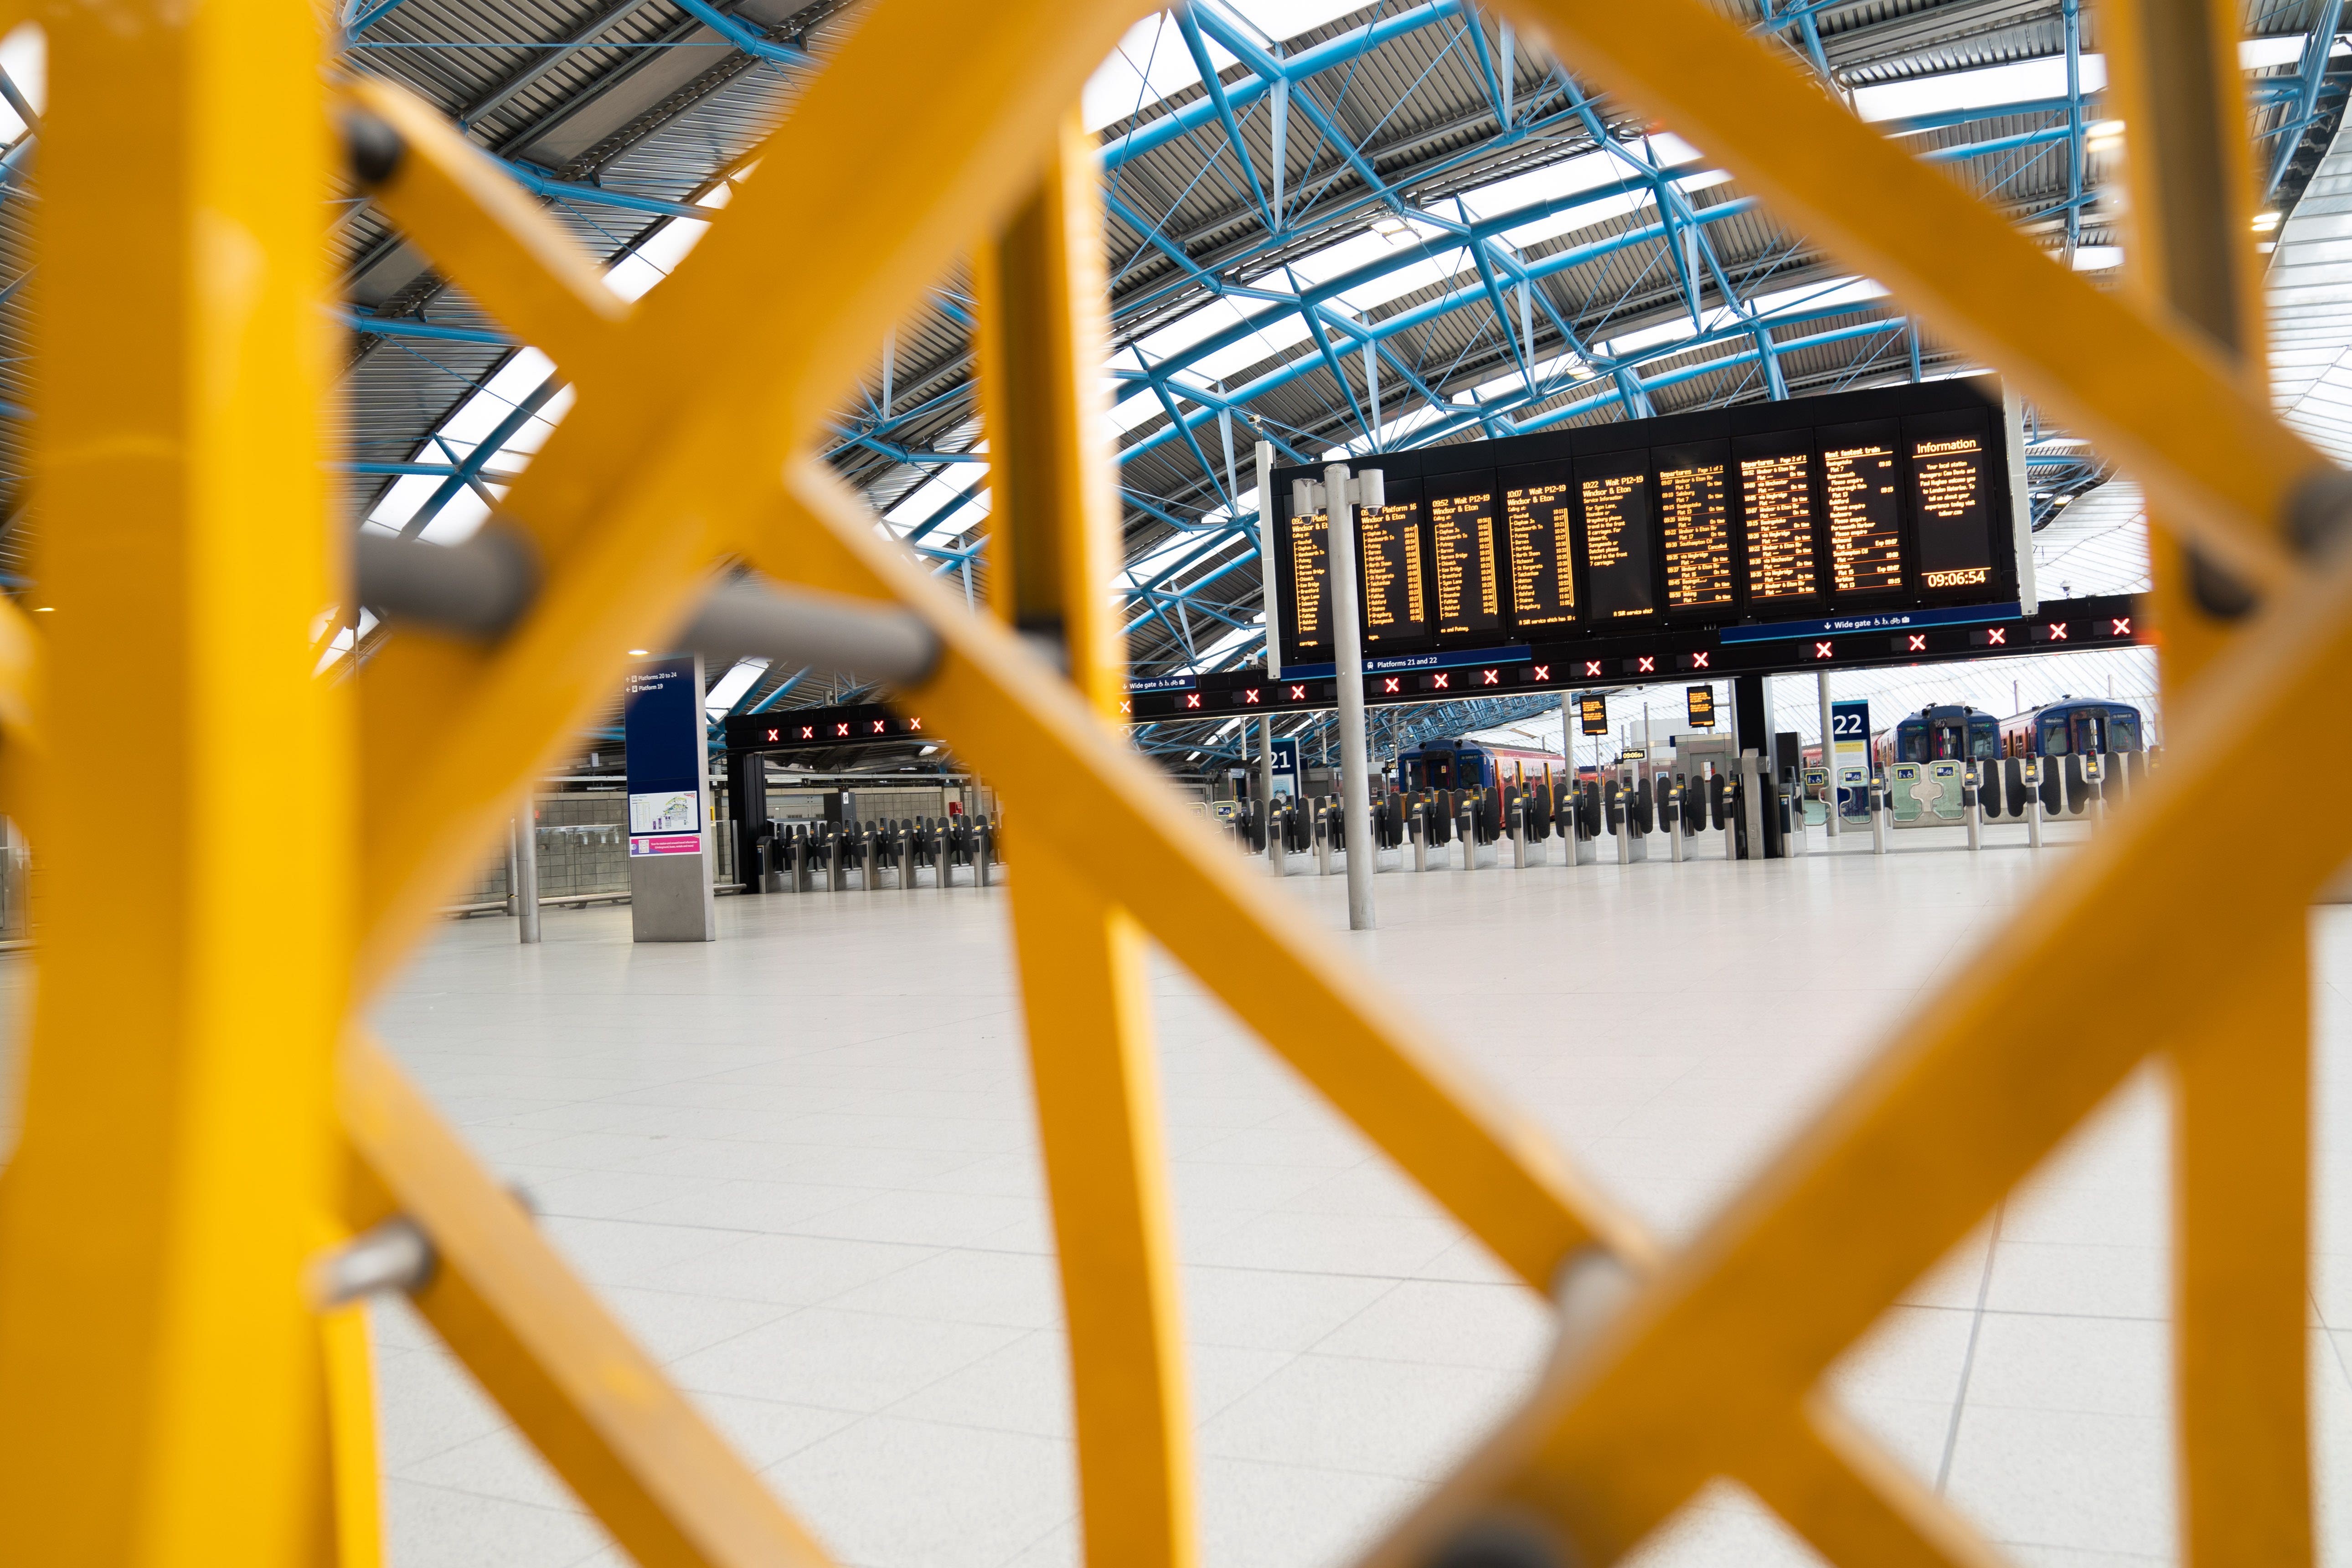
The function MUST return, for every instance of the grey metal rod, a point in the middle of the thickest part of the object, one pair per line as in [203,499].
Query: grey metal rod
[480,588]
[526,842]
[1829,763]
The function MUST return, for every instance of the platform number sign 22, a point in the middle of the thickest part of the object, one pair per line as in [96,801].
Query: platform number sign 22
[1849,724]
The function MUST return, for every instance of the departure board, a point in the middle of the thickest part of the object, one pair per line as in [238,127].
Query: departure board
[1619,530]
[1592,712]
[1695,519]
[1950,476]
[1776,497]
[1886,500]
[1309,571]
[1858,488]
[1396,595]
[1537,534]
[1464,562]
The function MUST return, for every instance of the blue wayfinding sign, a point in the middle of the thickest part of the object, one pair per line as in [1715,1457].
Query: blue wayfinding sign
[663,722]
[1286,765]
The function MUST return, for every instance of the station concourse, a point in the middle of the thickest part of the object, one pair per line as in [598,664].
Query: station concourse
[1502,785]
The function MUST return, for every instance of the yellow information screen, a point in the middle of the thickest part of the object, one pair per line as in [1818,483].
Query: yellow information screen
[1700,701]
[1309,570]
[1950,475]
[1592,711]
[1396,598]
[1462,547]
[1776,494]
[1536,532]
[1694,517]
[1620,530]
[1858,488]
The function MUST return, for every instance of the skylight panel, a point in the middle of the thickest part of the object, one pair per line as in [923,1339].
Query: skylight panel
[731,687]
[25,55]
[1150,62]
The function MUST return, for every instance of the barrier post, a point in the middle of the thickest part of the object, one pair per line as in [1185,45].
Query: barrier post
[1465,830]
[1969,807]
[1418,826]
[1878,817]
[526,839]
[2034,802]
[1674,822]
[1518,835]
[800,861]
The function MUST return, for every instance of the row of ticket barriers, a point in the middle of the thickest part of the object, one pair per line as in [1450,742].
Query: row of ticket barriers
[1756,812]
[889,852]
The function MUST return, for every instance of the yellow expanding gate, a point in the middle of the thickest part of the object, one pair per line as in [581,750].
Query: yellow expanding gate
[205,1113]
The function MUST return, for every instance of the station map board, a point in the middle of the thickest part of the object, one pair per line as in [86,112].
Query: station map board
[1862,502]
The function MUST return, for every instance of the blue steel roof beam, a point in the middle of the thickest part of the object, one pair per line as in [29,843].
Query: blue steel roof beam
[1404,320]
[1502,314]
[733,31]
[1168,403]
[1476,28]
[1246,49]
[470,471]
[1200,551]
[1190,594]
[781,691]
[1215,87]
[1214,399]
[1279,304]
[1360,332]
[1296,69]
[2317,44]
[420,470]
[2070,13]
[1314,320]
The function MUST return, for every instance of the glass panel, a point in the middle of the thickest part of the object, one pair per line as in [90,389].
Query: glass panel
[2053,738]
[2123,732]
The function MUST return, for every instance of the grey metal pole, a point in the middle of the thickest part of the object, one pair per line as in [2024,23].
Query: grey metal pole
[1347,637]
[526,842]
[2032,771]
[1266,781]
[1829,759]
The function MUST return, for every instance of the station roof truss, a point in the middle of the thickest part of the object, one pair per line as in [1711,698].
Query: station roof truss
[1404,226]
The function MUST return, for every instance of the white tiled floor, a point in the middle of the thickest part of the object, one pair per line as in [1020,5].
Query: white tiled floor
[800,1162]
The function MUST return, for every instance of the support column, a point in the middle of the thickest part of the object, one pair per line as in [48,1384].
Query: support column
[2241,1116]
[161,1389]
[1348,650]
[526,861]
[1043,305]
[1751,717]
[1829,761]
[747,804]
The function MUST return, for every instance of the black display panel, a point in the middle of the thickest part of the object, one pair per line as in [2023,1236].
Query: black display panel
[1305,574]
[1695,520]
[1619,535]
[1864,507]
[1395,582]
[1951,496]
[1777,514]
[1885,499]
[1538,536]
[1465,565]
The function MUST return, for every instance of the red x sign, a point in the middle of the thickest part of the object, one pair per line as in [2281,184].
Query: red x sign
[1591,666]
[1997,637]
[1918,642]
[1391,683]
[2120,628]
[1821,650]
[1298,694]
[1698,661]
[1543,672]
[1490,677]
[1250,697]
[1192,700]
[1649,663]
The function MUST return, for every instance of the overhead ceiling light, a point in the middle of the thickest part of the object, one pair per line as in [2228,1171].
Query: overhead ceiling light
[2106,135]
[638,653]
[1393,229]
[44,609]
[2265,221]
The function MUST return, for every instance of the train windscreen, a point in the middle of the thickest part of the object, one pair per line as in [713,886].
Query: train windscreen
[2123,732]
[2053,738]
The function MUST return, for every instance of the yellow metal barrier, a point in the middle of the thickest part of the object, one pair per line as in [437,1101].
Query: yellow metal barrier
[165,1394]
